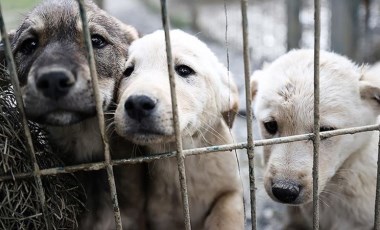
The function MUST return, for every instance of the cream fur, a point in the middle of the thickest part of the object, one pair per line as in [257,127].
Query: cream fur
[283,92]
[215,194]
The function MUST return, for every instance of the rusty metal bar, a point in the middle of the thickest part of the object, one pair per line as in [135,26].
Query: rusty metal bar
[248,99]
[100,115]
[173,92]
[189,152]
[20,105]
[377,200]
[317,138]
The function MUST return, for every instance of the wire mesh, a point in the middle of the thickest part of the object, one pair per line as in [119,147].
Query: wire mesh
[108,163]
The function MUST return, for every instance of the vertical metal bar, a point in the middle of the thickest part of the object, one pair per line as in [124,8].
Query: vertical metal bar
[250,143]
[317,138]
[180,155]
[377,202]
[20,105]
[100,115]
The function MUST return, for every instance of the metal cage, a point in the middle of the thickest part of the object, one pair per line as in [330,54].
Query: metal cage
[181,154]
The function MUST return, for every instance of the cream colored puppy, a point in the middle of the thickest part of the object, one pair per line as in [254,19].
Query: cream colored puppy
[144,116]
[283,105]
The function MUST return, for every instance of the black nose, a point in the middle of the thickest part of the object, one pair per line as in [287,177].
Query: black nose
[286,191]
[139,107]
[55,84]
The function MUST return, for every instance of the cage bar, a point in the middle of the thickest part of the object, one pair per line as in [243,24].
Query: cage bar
[377,200]
[317,137]
[20,105]
[189,152]
[173,92]
[250,145]
[248,99]
[100,114]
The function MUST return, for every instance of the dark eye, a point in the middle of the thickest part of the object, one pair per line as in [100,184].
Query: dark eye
[184,70]
[129,71]
[29,46]
[326,128]
[271,127]
[98,41]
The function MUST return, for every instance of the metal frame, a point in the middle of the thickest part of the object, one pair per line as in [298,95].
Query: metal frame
[181,154]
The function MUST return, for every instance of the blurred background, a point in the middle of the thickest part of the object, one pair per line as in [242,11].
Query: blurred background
[351,28]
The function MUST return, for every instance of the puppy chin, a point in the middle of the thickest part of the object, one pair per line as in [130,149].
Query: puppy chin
[144,136]
[149,139]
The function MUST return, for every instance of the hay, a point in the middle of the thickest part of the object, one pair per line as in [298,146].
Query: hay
[20,207]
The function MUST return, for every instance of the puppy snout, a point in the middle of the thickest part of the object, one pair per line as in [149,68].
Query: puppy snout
[286,191]
[55,84]
[139,107]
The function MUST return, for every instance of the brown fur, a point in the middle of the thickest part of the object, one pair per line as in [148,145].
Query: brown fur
[50,40]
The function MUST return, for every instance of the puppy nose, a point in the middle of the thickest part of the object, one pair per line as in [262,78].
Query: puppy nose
[139,107]
[55,84]
[286,191]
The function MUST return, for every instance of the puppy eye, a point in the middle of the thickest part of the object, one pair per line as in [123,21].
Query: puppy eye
[326,128]
[98,41]
[271,127]
[29,46]
[129,71]
[184,70]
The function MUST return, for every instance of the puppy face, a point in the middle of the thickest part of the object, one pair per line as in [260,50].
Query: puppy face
[283,104]
[52,62]
[204,89]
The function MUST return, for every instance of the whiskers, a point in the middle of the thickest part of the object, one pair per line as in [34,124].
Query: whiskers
[109,117]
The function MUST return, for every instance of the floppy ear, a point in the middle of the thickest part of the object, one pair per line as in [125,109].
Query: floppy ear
[370,87]
[370,92]
[3,75]
[130,32]
[11,35]
[229,96]
[254,83]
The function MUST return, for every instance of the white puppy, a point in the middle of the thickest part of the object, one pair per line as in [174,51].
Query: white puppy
[283,105]
[144,116]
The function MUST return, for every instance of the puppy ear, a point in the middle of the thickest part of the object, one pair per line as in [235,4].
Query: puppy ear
[370,86]
[130,32]
[254,82]
[11,35]
[229,96]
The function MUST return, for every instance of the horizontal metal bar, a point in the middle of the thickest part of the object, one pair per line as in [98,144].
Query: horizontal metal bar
[189,152]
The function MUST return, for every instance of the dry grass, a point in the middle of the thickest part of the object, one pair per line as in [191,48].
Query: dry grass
[20,207]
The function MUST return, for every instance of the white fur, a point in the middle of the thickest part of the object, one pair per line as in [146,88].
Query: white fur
[347,164]
[215,194]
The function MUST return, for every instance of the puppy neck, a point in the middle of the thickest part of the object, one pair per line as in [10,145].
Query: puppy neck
[78,143]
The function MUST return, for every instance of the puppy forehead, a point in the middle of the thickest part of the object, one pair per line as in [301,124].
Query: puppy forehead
[61,18]
[288,86]
[184,47]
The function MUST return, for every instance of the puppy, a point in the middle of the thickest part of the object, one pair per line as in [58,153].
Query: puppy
[57,91]
[283,105]
[144,116]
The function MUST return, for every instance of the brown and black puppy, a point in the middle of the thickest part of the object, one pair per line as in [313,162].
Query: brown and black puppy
[57,91]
